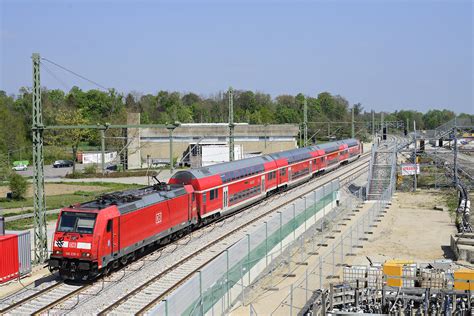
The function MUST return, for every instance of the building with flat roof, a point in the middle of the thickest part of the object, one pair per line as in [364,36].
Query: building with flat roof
[152,144]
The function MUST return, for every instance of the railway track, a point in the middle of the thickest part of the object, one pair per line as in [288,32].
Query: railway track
[62,297]
[41,299]
[141,299]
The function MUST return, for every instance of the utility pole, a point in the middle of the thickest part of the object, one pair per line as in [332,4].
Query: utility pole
[352,130]
[455,158]
[265,134]
[414,153]
[305,122]
[40,235]
[300,135]
[170,128]
[231,124]
[373,126]
[102,149]
[381,124]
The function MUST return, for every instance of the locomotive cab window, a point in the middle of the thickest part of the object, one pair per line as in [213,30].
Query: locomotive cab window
[75,222]
[109,225]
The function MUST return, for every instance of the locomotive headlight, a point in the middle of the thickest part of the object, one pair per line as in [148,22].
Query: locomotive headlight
[86,254]
[57,252]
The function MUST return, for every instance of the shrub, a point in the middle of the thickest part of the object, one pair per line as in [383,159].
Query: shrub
[18,186]
[90,169]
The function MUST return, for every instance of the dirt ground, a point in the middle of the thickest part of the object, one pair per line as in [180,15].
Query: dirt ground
[411,229]
[56,189]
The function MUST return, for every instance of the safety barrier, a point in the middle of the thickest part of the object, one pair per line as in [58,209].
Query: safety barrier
[223,282]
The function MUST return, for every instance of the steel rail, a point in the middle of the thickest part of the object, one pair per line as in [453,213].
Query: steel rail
[62,299]
[357,169]
[29,298]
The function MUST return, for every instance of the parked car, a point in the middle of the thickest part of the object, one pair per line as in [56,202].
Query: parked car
[20,168]
[62,163]
[112,167]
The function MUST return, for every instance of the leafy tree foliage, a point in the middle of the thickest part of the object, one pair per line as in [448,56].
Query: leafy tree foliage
[98,107]
[18,186]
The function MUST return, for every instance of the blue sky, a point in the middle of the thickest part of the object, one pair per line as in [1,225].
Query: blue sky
[387,55]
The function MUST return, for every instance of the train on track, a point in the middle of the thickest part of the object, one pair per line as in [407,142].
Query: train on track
[94,237]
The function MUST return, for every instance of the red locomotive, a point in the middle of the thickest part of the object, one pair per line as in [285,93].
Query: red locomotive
[93,237]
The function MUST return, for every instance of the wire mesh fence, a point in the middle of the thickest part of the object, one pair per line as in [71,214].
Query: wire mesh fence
[330,264]
[227,280]
[269,258]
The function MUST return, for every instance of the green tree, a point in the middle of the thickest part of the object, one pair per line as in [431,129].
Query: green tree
[18,185]
[13,132]
[70,137]
[435,118]
[358,108]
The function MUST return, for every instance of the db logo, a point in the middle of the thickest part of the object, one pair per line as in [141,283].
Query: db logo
[158,218]
[72,244]
[60,242]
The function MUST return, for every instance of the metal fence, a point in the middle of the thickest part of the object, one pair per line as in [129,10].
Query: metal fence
[224,282]
[329,265]
[270,257]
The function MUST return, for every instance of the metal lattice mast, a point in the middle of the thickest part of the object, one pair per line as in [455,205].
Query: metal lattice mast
[381,124]
[171,128]
[373,125]
[102,150]
[414,155]
[231,124]
[352,129]
[40,235]
[305,122]
[455,158]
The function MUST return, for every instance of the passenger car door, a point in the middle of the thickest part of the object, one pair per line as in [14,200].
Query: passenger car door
[225,198]
[112,235]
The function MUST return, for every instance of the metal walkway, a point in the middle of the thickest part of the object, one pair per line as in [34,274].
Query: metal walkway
[383,166]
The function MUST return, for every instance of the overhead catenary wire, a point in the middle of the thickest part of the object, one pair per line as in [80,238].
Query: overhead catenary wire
[76,74]
[64,84]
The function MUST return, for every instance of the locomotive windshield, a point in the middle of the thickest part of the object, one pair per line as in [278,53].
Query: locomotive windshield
[75,222]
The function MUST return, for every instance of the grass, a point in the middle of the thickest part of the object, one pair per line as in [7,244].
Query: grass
[117,174]
[109,185]
[451,198]
[58,201]
[27,223]
[8,214]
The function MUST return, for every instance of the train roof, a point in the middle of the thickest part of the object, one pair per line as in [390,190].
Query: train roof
[298,154]
[334,146]
[293,155]
[130,200]
[256,163]
[351,142]
[229,171]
